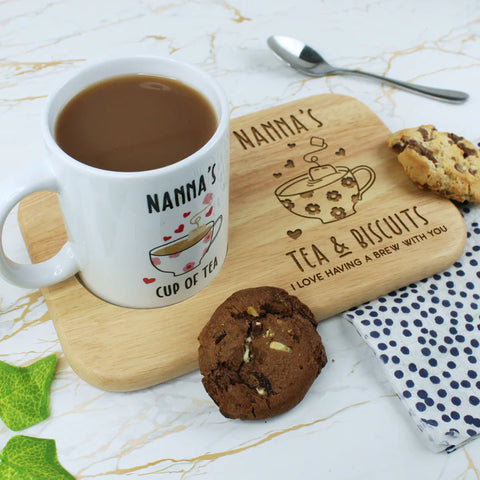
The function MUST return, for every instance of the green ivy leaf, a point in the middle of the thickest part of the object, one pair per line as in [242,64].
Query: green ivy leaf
[24,392]
[29,458]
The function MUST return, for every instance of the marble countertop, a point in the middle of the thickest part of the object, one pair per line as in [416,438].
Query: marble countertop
[351,424]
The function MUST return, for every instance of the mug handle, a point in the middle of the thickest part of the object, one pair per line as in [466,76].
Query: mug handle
[35,177]
[370,180]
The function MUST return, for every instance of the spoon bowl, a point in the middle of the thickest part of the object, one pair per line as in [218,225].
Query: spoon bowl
[308,61]
[296,53]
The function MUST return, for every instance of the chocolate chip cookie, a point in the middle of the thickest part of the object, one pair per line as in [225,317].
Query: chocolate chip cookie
[260,353]
[442,162]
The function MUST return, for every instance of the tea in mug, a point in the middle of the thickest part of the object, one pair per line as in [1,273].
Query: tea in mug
[132,123]
[192,238]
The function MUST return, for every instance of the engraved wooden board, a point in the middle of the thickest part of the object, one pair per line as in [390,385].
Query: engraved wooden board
[319,206]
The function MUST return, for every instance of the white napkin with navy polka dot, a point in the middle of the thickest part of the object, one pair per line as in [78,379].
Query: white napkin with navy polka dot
[427,336]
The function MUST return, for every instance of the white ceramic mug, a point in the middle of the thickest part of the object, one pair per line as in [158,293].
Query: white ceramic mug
[115,220]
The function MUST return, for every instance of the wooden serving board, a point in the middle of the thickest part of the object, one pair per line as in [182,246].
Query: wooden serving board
[353,228]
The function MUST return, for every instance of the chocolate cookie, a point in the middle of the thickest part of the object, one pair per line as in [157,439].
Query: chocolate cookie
[260,353]
[442,162]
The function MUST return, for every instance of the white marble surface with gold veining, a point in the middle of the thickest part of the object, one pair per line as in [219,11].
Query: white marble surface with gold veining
[350,425]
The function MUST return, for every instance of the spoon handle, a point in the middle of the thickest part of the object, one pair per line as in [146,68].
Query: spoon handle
[453,96]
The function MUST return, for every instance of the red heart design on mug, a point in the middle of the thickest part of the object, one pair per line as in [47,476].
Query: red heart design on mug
[207,199]
[165,239]
[186,214]
[180,228]
[148,280]
[209,212]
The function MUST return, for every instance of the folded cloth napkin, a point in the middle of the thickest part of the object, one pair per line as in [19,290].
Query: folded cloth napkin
[427,336]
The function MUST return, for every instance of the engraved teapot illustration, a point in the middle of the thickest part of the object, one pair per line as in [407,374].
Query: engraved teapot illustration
[326,192]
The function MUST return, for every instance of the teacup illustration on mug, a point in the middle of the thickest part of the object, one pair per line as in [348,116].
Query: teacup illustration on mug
[183,254]
[326,192]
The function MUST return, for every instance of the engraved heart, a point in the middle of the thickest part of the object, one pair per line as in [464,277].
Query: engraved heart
[289,164]
[186,214]
[294,234]
[180,228]
[167,238]
[341,151]
[277,174]
[209,212]
[148,280]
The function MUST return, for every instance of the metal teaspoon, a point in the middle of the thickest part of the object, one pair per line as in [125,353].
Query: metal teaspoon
[309,62]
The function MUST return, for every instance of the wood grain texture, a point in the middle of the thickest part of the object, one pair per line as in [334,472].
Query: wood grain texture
[335,241]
